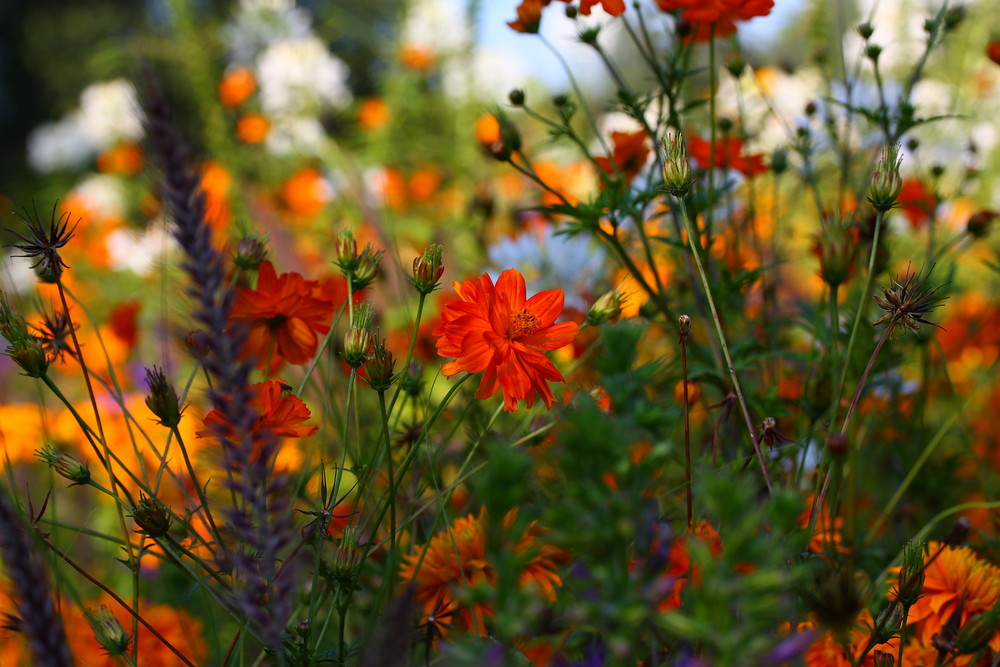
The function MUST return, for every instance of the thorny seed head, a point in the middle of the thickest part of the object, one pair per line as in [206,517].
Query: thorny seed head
[908,301]
[56,334]
[41,243]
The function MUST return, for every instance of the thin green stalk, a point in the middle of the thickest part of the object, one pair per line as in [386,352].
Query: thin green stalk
[722,339]
[198,488]
[709,207]
[579,93]
[392,483]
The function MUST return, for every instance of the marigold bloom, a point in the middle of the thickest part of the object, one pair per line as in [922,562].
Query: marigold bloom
[373,114]
[252,128]
[630,153]
[237,86]
[495,330]
[278,412]
[284,314]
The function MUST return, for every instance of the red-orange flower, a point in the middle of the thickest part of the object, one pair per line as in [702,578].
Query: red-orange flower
[612,7]
[993,51]
[716,17]
[916,202]
[728,155]
[495,330]
[529,15]
[284,314]
[278,412]
[630,154]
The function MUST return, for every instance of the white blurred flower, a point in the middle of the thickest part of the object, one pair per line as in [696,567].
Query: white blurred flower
[16,276]
[487,75]
[295,135]
[549,261]
[104,196]
[137,250]
[258,23]
[109,113]
[59,145]
[438,26]
[299,77]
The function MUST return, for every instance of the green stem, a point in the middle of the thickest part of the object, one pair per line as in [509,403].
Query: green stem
[392,482]
[695,251]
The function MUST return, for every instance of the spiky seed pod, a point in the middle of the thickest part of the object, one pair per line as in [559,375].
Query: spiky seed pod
[42,243]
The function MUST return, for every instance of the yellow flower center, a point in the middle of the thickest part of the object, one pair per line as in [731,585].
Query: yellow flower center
[523,323]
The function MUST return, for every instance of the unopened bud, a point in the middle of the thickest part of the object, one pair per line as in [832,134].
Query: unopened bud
[873,51]
[64,465]
[865,30]
[427,269]
[684,325]
[516,97]
[911,574]
[959,531]
[250,252]
[979,223]
[836,250]
[347,556]
[839,445]
[954,16]
[108,631]
[162,400]
[676,168]
[886,183]
[347,251]
[358,339]
[979,631]
[367,268]
[152,516]
[607,307]
[198,343]
[883,659]
[380,366]
[30,356]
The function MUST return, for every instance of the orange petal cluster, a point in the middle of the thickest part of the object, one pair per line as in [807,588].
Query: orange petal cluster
[283,314]
[630,153]
[278,412]
[495,330]
[716,17]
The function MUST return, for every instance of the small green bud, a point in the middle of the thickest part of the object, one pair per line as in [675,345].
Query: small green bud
[347,251]
[30,356]
[367,268]
[427,269]
[607,307]
[676,168]
[380,367]
[865,30]
[250,251]
[911,574]
[516,97]
[162,400]
[886,182]
[108,631]
[64,465]
[358,338]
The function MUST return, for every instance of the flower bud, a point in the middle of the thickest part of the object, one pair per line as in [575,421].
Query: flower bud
[684,325]
[886,183]
[516,97]
[958,533]
[676,169]
[367,268]
[953,16]
[250,252]
[980,222]
[108,631]
[607,307]
[12,326]
[979,631]
[198,343]
[64,465]
[911,574]
[347,251]
[427,269]
[152,516]
[357,340]
[865,30]
[883,659]
[873,51]
[836,249]
[889,621]
[347,556]
[380,367]
[162,400]
[30,356]
[839,445]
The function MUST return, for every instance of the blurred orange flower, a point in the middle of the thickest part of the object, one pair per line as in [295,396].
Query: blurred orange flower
[455,558]
[417,57]
[373,114]
[252,128]
[495,330]
[278,411]
[630,153]
[237,86]
[284,314]
[612,7]
[728,155]
[716,17]
[916,202]
[993,51]
[125,159]
[306,192]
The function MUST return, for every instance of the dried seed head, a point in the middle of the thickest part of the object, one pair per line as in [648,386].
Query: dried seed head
[56,334]
[42,244]
[908,301]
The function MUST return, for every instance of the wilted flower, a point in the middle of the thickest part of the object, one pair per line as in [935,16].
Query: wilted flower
[42,244]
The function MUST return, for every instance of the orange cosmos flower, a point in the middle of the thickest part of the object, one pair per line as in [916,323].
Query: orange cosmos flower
[728,155]
[630,154]
[495,330]
[278,412]
[956,577]
[916,202]
[612,7]
[306,192]
[124,159]
[716,17]
[456,559]
[284,314]
[373,114]
[993,51]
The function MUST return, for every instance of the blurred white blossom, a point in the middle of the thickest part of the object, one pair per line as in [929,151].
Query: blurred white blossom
[59,145]
[438,26]
[259,23]
[104,196]
[301,77]
[109,113]
[295,135]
